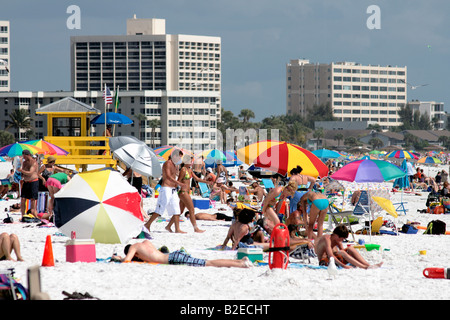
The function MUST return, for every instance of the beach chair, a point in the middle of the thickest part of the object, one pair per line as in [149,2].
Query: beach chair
[376,226]
[204,190]
[334,213]
[362,206]
[268,184]
[34,284]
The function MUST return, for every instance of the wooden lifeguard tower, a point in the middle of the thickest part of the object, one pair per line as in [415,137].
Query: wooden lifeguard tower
[68,127]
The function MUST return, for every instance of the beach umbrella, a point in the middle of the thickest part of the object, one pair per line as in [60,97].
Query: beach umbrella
[2,159]
[249,153]
[232,159]
[112,118]
[386,205]
[99,205]
[49,148]
[139,158]
[376,152]
[368,171]
[427,159]
[283,157]
[401,154]
[326,154]
[212,157]
[120,141]
[16,149]
[166,151]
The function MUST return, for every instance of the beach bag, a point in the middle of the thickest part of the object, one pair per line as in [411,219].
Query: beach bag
[435,227]
[409,229]
[446,202]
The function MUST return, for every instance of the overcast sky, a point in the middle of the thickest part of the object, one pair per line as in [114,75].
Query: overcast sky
[259,37]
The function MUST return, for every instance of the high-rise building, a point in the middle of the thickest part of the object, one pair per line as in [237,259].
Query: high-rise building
[5,78]
[355,92]
[172,78]
[146,58]
[434,110]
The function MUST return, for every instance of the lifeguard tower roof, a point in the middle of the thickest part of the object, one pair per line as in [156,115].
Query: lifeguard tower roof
[68,104]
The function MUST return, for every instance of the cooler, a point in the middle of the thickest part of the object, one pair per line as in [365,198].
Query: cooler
[253,254]
[201,203]
[80,250]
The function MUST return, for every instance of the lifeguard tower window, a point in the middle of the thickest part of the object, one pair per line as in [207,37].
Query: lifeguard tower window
[67,127]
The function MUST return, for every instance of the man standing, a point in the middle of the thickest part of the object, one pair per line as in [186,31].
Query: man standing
[168,194]
[30,187]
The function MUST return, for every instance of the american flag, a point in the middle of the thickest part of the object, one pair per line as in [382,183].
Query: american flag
[107,95]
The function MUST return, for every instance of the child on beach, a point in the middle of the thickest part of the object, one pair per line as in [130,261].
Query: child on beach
[146,252]
[329,246]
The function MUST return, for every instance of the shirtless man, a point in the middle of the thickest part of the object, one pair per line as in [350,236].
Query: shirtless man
[257,190]
[168,196]
[330,245]
[147,252]
[30,187]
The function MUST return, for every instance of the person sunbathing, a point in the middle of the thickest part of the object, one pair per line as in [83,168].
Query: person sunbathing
[8,243]
[330,245]
[146,252]
[210,216]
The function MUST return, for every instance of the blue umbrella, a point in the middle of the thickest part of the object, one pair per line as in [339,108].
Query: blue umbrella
[326,154]
[112,118]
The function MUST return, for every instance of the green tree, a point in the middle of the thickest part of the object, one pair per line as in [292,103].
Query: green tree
[154,123]
[339,137]
[6,138]
[19,119]
[141,118]
[318,134]
[376,143]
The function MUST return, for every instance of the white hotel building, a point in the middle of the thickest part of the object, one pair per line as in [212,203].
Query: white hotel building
[173,78]
[5,78]
[355,92]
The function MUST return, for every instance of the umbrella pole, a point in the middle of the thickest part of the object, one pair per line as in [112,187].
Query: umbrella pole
[105,110]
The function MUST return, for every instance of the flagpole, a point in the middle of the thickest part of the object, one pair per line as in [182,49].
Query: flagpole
[116,100]
[105,109]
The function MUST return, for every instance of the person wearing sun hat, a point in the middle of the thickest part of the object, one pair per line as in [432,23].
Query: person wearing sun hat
[46,170]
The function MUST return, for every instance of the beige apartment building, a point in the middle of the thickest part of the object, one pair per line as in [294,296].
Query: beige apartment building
[355,92]
[5,55]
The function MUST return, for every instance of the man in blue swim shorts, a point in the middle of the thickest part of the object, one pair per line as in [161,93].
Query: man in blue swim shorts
[318,210]
[147,252]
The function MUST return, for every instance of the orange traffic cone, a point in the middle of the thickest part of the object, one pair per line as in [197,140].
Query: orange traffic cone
[47,260]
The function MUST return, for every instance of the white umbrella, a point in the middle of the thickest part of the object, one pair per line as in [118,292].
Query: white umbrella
[120,141]
[139,158]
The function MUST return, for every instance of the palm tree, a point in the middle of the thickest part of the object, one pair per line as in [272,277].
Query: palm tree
[141,117]
[246,115]
[339,137]
[318,134]
[20,119]
[154,123]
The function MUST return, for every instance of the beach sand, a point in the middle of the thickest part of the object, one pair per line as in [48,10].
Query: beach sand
[399,278]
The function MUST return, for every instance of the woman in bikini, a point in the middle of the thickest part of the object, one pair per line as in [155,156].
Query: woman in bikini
[304,183]
[184,177]
[276,196]
[318,210]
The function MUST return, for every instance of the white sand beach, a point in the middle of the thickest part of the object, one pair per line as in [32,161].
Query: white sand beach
[399,278]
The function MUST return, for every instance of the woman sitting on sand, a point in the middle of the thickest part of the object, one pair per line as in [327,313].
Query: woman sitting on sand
[8,243]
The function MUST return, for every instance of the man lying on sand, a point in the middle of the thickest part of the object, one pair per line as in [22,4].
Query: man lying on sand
[329,246]
[147,252]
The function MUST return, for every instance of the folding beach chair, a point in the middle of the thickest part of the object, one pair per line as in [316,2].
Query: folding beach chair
[362,206]
[334,213]
[204,190]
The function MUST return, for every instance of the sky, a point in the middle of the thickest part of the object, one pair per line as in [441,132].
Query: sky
[259,37]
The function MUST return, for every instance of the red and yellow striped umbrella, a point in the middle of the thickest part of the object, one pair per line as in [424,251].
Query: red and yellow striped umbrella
[249,153]
[282,157]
